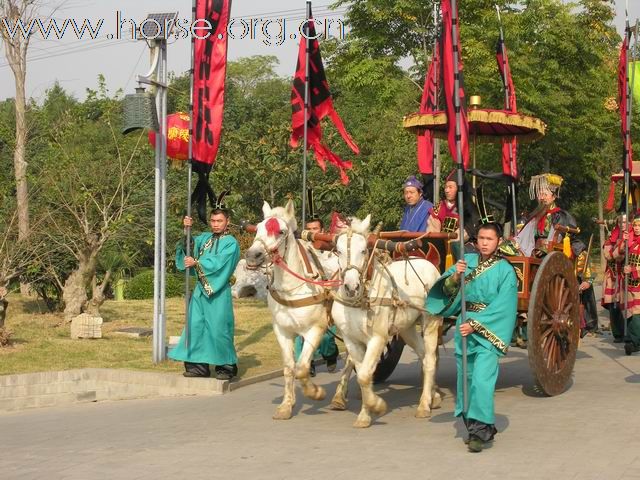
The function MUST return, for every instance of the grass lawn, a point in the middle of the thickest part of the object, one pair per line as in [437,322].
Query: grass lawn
[41,341]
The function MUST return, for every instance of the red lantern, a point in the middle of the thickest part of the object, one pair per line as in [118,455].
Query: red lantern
[177,136]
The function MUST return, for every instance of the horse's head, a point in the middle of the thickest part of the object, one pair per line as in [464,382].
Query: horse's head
[271,234]
[352,251]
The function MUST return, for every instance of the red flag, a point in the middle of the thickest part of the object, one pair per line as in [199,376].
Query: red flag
[428,104]
[509,147]
[449,71]
[623,96]
[320,106]
[210,65]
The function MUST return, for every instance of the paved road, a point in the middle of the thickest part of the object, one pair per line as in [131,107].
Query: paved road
[589,432]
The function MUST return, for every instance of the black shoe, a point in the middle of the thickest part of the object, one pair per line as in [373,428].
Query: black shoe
[195,375]
[332,364]
[226,372]
[629,348]
[194,370]
[223,375]
[618,340]
[312,370]
[475,445]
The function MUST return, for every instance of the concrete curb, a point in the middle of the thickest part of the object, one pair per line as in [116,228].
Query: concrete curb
[48,389]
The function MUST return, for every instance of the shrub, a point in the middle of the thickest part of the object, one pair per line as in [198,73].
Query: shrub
[140,287]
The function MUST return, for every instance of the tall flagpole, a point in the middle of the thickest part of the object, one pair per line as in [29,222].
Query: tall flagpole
[187,271]
[627,159]
[507,102]
[306,111]
[436,142]
[457,107]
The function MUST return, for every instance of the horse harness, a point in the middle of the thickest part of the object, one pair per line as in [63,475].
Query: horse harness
[323,297]
[364,301]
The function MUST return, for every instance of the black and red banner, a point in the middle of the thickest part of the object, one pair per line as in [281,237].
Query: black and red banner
[451,70]
[320,105]
[210,64]
[509,147]
[428,104]
[623,97]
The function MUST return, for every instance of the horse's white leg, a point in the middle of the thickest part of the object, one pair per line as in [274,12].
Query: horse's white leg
[311,342]
[371,403]
[339,401]
[430,363]
[416,342]
[285,409]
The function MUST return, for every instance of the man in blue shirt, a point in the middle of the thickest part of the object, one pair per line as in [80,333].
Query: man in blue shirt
[416,212]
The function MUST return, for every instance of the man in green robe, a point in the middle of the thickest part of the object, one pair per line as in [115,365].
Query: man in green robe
[491,298]
[211,323]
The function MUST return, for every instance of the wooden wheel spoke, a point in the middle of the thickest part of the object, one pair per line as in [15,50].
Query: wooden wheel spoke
[562,294]
[547,310]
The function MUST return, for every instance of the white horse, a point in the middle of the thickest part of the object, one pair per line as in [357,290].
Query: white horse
[393,303]
[298,306]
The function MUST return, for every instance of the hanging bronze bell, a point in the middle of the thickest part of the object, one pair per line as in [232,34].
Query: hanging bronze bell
[139,111]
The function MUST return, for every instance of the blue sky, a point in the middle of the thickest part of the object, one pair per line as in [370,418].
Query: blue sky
[77,63]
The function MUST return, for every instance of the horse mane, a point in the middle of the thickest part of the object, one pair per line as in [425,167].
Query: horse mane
[360,226]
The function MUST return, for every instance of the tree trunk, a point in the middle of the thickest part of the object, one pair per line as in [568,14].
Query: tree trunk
[74,293]
[16,53]
[97,296]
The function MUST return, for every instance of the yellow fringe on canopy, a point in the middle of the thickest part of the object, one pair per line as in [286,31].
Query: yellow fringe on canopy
[431,121]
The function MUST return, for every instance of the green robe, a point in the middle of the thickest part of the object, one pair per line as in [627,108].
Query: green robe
[211,321]
[491,295]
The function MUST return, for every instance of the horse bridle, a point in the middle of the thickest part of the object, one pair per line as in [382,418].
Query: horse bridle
[360,269]
[276,248]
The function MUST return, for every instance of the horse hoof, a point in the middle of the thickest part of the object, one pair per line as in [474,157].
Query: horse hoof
[338,404]
[379,407]
[437,401]
[315,393]
[362,423]
[423,413]
[282,413]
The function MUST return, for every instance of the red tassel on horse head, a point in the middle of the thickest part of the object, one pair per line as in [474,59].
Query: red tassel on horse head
[320,105]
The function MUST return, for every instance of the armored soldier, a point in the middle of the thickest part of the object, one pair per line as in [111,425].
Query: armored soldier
[613,285]
[632,269]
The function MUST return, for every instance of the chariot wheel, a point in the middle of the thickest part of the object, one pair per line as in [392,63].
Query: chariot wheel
[389,359]
[553,323]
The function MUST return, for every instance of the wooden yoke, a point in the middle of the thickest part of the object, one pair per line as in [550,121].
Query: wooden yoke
[403,234]
[326,241]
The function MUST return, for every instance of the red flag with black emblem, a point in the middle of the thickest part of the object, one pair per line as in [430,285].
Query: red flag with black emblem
[320,106]
[210,64]
[449,72]
[428,104]
[509,147]
[623,97]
